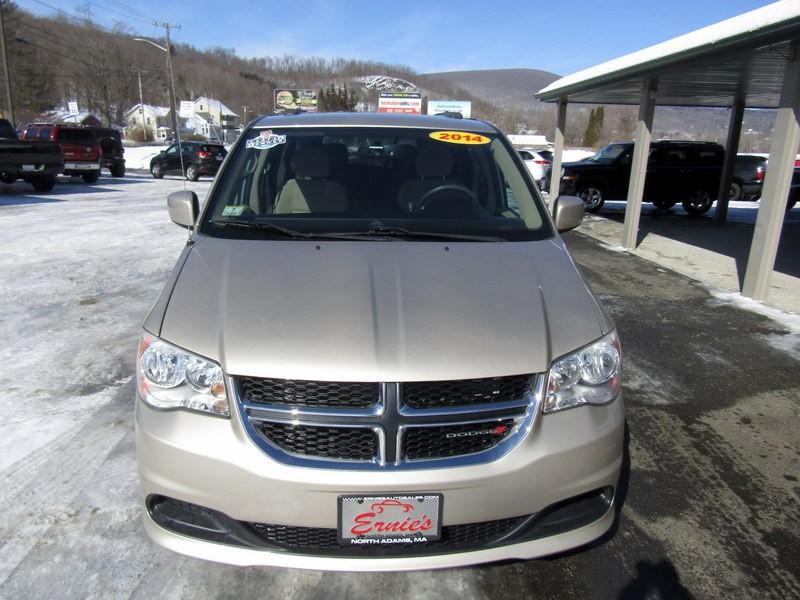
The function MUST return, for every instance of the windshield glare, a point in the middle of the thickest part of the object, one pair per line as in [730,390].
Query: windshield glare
[353,180]
[609,153]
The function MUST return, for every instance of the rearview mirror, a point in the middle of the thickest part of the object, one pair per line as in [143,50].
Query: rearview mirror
[183,208]
[567,212]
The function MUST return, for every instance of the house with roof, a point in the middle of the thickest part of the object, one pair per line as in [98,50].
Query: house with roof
[153,119]
[212,119]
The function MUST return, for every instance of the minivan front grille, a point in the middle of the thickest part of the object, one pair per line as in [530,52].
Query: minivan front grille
[345,443]
[454,440]
[464,392]
[299,392]
[388,425]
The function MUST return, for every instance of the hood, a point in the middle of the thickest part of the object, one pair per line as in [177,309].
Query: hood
[380,310]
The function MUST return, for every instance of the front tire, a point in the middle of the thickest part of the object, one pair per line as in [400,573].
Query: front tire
[664,204]
[192,173]
[91,177]
[156,171]
[44,183]
[7,177]
[736,192]
[592,196]
[698,202]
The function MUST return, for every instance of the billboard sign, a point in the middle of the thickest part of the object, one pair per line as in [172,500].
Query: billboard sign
[436,107]
[187,109]
[291,100]
[409,103]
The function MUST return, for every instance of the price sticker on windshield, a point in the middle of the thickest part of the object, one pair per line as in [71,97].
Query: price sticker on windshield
[459,137]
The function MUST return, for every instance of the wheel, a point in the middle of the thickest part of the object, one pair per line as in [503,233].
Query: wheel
[664,204]
[91,177]
[7,177]
[736,192]
[44,183]
[118,170]
[698,202]
[192,173]
[459,201]
[156,171]
[592,197]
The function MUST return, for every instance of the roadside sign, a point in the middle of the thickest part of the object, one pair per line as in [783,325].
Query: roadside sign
[73,107]
[289,100]
[400,102]
[436,107]
[187,109]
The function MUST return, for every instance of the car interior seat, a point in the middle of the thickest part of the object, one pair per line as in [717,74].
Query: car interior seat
[311,190]
[434,165]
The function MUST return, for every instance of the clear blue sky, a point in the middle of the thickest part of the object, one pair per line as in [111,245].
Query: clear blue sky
[430,35]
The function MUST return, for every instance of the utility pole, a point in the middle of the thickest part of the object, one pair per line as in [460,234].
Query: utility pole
[5,67]
[172,100]
[141,107]
[244,120]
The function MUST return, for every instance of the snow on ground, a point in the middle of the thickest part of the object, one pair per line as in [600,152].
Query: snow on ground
[138,157]
[86,261]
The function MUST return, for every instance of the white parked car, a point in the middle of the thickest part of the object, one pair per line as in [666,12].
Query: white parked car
[538,163]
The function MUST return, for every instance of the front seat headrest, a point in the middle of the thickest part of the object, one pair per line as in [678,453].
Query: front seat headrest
[312,162]
[434,161]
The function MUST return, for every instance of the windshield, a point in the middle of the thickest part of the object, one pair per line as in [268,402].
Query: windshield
[384,181]
[609,153]
[77,136]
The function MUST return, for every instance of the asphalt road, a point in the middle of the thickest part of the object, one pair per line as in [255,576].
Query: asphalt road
[712,498]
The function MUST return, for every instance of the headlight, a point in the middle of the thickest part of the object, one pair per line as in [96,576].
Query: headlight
[169,377]
[591,375]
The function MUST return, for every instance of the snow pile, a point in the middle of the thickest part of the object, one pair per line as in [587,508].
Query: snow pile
[575,154]
[138,157]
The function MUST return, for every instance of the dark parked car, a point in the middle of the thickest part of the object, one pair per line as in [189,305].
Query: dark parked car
[677,171]
[199,158]
[113,153]
[748,177]
[78,144]
[36,162]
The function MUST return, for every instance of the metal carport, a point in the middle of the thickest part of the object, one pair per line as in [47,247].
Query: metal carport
[753,61]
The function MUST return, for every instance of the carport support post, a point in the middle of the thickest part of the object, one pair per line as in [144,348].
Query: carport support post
[558,151]
[641,152]
[731,147]
[771,213]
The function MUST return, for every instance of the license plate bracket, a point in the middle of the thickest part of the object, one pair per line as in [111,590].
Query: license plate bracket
[389,519]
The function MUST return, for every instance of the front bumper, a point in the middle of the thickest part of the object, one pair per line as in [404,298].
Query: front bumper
[212,463]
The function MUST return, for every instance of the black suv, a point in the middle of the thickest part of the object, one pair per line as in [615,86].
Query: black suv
[199,158]
[677,171]
[113,157]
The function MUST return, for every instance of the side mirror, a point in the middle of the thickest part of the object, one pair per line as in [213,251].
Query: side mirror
[567,212]
[183,208]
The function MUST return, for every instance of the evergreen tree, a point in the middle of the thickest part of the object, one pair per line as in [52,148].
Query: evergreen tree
[594,127]
[337,99]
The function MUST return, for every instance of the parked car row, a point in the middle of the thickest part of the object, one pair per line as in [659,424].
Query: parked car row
[688,172]
[46,150]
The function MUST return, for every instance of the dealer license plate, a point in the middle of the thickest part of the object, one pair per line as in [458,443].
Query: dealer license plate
[393,519]
[28,167]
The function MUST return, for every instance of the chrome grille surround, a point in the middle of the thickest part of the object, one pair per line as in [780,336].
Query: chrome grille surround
[390,420]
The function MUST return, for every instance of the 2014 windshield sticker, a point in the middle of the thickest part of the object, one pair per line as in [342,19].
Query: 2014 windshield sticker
[265,140]
[459,137]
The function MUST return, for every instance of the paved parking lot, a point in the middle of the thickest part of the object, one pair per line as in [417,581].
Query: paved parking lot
[712,498]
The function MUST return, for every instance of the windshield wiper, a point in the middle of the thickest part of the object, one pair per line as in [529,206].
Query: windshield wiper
[381,231]
[283,231]
[400,232]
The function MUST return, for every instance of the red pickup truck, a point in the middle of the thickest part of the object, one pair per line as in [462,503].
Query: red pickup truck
[82,152]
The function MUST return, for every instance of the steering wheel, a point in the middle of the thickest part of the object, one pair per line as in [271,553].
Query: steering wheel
[441,190]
